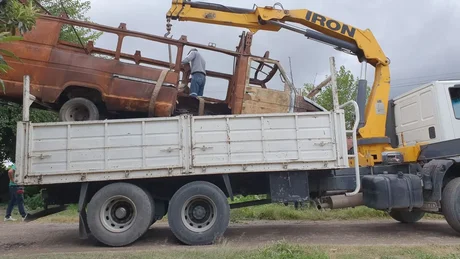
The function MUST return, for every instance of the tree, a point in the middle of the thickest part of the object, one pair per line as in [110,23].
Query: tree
[13,16]
[75,9]
[347,87]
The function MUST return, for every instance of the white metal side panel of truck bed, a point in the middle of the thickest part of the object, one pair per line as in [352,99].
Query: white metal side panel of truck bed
[163,147]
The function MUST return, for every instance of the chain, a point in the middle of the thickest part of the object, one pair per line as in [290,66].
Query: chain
[168,27]
[168,31]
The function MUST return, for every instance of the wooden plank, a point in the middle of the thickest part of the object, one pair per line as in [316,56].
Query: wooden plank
[260,100]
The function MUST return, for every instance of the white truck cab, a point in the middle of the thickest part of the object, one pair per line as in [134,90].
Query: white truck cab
[428,114]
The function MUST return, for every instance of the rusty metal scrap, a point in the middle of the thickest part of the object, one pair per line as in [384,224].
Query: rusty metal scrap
[62,70]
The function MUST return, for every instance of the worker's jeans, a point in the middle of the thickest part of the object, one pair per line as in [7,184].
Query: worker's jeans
[15,199]
[197,85]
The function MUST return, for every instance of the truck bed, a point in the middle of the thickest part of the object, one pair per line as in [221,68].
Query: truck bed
[72,152]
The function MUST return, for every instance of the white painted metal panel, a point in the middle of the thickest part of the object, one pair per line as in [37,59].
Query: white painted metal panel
[105,146]
[163,147]
[280,138]
[415,113]
[429,106]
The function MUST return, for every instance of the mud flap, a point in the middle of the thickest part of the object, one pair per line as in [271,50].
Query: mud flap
[289,187]
[433,176]
[83,229]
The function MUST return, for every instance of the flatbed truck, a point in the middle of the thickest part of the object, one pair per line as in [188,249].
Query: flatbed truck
[127,174]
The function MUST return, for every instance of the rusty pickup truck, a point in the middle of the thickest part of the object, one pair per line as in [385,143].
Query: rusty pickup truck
[84,82]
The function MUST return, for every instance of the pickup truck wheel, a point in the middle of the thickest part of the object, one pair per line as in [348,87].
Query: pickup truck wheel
[78,109]
[450,204]
[198,213]
[407,216]
[119,213]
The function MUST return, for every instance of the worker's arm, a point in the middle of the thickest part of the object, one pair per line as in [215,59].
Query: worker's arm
[11,175]
[189,58]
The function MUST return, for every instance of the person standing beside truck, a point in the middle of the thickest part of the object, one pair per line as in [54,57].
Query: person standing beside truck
[198,70]
[16,197]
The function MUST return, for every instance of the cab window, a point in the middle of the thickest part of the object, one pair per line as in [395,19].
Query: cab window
[455,98]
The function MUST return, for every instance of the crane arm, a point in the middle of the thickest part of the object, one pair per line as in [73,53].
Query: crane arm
[360,42]
[344,37]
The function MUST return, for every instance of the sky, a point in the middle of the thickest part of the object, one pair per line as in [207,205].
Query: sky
[419,36]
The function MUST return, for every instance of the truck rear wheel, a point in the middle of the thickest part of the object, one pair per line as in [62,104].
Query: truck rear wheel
[78,109]
[198,213]
[407,216]
[120,213]
[450,203]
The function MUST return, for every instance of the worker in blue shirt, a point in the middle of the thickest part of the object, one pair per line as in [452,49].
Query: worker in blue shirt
[16,197]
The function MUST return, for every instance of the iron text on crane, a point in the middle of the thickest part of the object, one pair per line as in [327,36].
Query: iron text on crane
[330,24]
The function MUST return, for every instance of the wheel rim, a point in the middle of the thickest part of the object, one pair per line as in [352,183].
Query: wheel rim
[199,213]
[118,214]
[77,112]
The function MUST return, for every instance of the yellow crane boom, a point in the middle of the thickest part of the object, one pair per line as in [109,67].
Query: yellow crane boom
[362,43]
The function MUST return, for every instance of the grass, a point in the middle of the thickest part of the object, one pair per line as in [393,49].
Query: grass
[279,250]
[281,212]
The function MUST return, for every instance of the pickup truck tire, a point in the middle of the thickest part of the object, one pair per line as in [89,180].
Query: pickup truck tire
[78,109]
[450,203]
[407,216]
[119,213]
[198,213]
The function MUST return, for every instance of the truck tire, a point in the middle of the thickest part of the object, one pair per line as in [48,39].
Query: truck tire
[119,213]
[78,109]
[407,216]
[450,203]
[198,213]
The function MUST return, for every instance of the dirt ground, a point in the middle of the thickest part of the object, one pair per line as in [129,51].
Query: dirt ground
[31,238]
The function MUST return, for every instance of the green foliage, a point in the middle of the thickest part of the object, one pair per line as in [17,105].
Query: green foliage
[76,10]
[4,67]
[347,87]
[15,15]
[33,199]
[281,212]
[240,198]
